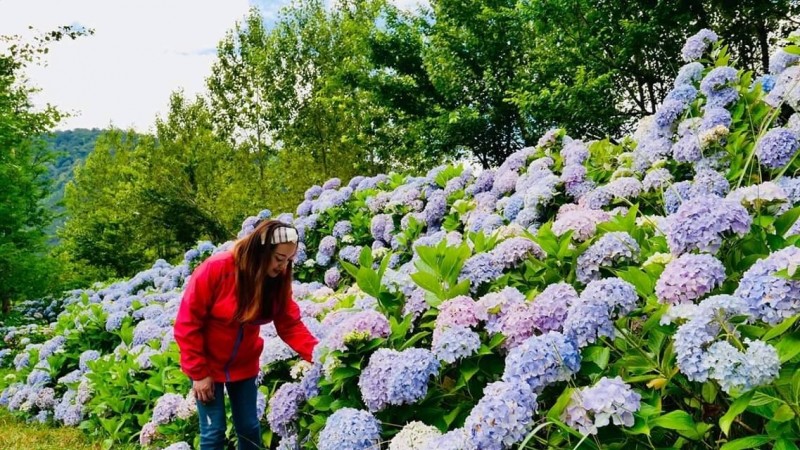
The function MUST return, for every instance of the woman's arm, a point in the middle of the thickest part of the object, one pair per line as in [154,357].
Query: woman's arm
[293,331]
[190,321]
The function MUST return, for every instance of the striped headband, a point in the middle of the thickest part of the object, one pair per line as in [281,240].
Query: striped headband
[280,235]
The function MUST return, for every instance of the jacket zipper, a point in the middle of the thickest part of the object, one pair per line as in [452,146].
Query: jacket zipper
[239,336]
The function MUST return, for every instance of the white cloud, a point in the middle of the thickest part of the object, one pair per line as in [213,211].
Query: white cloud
[142,50]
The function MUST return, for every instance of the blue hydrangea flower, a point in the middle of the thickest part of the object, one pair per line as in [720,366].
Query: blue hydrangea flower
[786,89]
[283,408]
[332,277]
[609,249]
[454,343]
[351,429]
[435,209]
[769,297]
[513,206]
[684,93]
[452,440]
[396,378]
[483,183]
[333,183]
[687,149]
[649,151]
[718,82]
[618,295]
[88,355]
[542,360]
[689,278]
[738,371]
[697,44]
[776,147]
[574,152]
[327,247]
[669,112]
[342,228]
[504,182]
[701,223]
[503,417]
[146,331]
[610,399]
[657,179]
[708,181]
[767,83]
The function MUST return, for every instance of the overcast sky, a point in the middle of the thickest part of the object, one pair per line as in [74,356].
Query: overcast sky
[141,51]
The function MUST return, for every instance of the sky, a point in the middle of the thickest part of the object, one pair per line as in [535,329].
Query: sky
[141,51]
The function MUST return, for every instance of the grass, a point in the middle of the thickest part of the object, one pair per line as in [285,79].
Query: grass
[18,435]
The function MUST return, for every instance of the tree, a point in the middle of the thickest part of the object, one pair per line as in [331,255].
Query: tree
[25,268]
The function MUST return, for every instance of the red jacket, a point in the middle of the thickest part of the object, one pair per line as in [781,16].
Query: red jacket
[214,344]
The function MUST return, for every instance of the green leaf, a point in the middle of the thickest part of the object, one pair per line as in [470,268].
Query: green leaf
[365,257]
[784,444]
[783,413]
[599,355]
[792,49]
[788,346]
[746,442]
[428,282]
[736,408]
[674,420]
[786,220]
[780,328]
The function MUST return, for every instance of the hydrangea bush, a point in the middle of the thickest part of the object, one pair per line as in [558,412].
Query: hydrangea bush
[639,294]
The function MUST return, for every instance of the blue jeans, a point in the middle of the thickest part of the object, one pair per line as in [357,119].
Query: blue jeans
[243,396]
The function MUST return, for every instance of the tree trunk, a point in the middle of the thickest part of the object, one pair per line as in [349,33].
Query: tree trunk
[6,305]
[763,43]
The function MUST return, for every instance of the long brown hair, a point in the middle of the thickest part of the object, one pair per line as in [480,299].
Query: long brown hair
[258,295]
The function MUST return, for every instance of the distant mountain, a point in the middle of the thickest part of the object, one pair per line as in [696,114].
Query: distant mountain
[71,148]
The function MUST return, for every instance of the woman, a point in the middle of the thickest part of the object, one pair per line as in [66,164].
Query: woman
[229,296]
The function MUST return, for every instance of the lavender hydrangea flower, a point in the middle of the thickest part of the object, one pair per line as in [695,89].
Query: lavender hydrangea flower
[351,429]
[574,152]
[689,277]
[657,179]
[610,399]
[701,223]
[776,147]
[780,60]
[483,183]
[504,182]
[332,277]
[786,89]
[327,247]
[708,181]
[283,408]
[436,208]
[454,343]
[687,149]
[513,206]
[166,408]
[609,249]
[697,44]
[371,322]
[649,151]
[689,73]
[503,417]
[479,269]
[396,378]
[341,229]
[452,440]
[512,252]
[624,187]
[542,360]
[769,297]
[146,331]
[333,183]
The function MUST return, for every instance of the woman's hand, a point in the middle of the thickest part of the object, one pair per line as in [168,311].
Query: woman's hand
[204,389]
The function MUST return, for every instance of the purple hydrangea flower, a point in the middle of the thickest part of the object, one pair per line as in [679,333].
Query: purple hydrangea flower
[332,277]
[776,148]
[369,321]
[574,152]
[313,192]
[397,378]
[689,277]
[504,182]
[716,86]
[503,417]
[436,208]
[483,183]
[708,181]
[551,305]
[342,228]
[146,331]
[327,247]
[701,223]
[649,151]
[609,249]
[542,360]
[786,89]
[355,181]
[351,429]
[333,183]
[697,44]
[624,187]
[452,440]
